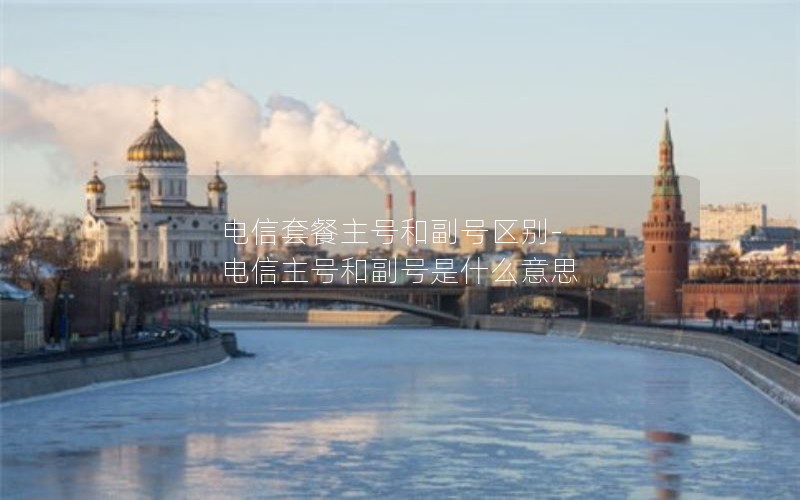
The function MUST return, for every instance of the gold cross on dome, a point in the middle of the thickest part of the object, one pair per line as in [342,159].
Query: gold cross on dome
[155,102]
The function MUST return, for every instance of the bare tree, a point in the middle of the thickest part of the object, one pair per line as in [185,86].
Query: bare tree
[593,272]
[789,306]
[720,263]
[23,255]
[112,264]
[37,247]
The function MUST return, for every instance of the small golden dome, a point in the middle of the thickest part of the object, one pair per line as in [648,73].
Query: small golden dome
[156,145]
[95,184]
[139,182]
[217,183]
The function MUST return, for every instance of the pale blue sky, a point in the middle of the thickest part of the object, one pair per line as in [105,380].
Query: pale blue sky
[539,88]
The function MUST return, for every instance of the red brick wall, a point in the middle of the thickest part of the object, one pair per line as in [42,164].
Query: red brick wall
[734,298]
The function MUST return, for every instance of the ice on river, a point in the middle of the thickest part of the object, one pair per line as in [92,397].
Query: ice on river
[389,412]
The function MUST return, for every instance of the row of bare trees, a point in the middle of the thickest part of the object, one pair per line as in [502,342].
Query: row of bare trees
[41,252]
[39,248]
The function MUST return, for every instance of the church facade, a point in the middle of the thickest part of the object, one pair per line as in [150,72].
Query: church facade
[155,230]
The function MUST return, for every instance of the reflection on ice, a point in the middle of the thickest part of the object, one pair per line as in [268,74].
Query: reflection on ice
[422,413]
[288,441]
[669,458]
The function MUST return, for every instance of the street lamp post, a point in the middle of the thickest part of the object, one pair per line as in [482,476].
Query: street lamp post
[589,303]
[203,297]
[205,309]
[166,294]
[679,291]
[554,290]
[193,312]
[121,316]
[117,315]
[66,328]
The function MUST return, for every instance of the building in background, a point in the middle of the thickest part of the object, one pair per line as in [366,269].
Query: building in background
[155,230]
[595,230]
[781,222]
[476,240]
[766,239]
[21,321]
[591,241]
[726,222]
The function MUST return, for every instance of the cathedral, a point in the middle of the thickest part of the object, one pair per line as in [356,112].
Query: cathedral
[155,229]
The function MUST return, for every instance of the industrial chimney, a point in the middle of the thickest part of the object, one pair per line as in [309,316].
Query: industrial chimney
[389,238]
[412,225]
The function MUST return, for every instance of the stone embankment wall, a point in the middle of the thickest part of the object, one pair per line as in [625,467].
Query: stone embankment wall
[775,376]
[48,377]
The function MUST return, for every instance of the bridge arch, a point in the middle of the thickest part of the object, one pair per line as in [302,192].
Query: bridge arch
[603,304]
[244,295]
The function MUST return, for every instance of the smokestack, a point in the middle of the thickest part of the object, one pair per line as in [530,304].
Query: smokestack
[389,217]
[412,205]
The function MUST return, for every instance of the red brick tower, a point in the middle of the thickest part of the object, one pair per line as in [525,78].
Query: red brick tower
[666,238]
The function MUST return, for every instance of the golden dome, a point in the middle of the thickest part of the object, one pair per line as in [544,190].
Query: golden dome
[156,145]
[217,183]
[95,184]
[139,182]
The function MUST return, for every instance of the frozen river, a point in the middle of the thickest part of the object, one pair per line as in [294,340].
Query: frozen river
[410,413]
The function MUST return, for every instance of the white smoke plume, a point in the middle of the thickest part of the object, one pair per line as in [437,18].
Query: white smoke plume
[214,121]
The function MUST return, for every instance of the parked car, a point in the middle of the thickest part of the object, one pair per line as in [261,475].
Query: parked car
[768,326]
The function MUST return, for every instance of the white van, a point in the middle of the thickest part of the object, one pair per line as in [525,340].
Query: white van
[768,326]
